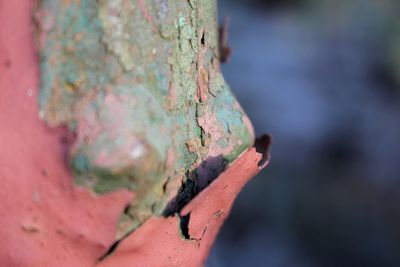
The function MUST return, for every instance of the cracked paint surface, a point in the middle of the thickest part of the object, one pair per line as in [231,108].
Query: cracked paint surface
[139,83]
[46,221]
[208,211]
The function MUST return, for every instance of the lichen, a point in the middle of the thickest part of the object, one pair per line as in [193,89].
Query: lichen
[139,82]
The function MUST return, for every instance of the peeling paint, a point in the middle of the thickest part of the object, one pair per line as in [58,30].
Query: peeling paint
[139,83]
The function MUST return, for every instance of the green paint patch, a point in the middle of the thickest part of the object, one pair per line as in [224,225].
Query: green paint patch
[131,89]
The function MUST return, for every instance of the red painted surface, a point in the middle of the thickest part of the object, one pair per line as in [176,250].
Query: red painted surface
[44,219]
[157,242]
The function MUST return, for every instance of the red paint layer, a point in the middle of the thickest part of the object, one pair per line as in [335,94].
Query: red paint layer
[44,220]
[158,242]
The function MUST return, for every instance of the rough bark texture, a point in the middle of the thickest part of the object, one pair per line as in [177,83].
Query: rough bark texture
[46,220]
[138,82]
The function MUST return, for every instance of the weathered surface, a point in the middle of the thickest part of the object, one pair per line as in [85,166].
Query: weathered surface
[45,220]
[139,83]
[207,213]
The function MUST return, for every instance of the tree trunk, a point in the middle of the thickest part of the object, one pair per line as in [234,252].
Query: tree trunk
[146,122]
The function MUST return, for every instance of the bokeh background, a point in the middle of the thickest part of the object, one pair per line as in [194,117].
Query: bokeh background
[323,77]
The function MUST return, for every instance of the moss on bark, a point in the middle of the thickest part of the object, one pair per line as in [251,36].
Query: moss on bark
[139,82]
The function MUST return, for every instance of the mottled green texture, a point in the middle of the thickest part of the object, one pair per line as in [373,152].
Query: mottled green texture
[139,82]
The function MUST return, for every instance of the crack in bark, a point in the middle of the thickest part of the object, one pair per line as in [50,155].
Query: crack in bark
[196,181]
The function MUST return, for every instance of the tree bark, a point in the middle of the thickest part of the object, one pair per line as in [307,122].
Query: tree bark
[141,122]
[139,84]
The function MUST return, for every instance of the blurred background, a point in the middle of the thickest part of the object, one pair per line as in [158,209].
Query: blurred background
[323,77]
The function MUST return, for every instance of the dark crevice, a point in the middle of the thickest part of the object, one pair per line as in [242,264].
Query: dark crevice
[195,182]
[112,248]
[186,192]
[166,184]
[184,225]
[202,137]
[127,213]
[202,133]
[179,39]
[126,210]
[114,245]
[262,146]
[203,40]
